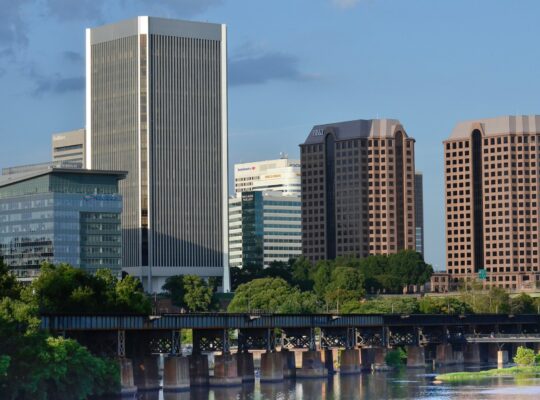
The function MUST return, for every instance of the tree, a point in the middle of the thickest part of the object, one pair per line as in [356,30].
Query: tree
[272,295]
[321,277]
[198,295]
[524,356]
[174,286]
[302,271]
[443,305]
[37,366]
[346,284]
[130,296]
[383,305]
[63,288]
[9,287]
[410,266]
[522,304]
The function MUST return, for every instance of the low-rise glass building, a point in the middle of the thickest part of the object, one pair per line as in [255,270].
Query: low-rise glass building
[264,226]
[61,216]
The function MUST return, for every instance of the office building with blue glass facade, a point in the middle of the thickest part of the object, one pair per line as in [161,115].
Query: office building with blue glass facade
[264,226]
[61,216]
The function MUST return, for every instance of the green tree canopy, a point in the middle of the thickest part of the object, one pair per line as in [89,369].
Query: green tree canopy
[63,288]
[37,366]
[524,356]
[9,287]
[346,284]
[198,294]
[271,295]
[383,305]
[443,305]
[174,287]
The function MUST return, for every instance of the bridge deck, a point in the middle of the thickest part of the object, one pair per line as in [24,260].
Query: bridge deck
[61,322]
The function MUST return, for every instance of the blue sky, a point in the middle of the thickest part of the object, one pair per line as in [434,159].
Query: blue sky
[294,64]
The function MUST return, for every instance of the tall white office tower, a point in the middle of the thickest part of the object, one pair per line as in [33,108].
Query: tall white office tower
[156,107]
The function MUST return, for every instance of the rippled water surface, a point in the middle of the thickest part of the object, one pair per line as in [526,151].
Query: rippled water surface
[403,384]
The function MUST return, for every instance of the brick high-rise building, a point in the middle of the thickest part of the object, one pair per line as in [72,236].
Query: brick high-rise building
[492,187]
[357,189]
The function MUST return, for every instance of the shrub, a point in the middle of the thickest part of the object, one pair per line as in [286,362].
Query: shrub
[524,356]
[396,358]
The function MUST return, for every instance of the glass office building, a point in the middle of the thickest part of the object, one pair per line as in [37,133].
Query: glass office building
[60,216]
[264,227]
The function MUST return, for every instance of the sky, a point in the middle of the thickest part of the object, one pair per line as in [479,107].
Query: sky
[294,64]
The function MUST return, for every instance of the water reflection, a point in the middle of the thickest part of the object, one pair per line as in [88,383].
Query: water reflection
[402,384]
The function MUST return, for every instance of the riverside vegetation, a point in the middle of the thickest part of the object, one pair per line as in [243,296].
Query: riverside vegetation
[528,363]
[36,365]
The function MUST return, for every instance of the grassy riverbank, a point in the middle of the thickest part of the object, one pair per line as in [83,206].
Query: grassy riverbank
[491,373]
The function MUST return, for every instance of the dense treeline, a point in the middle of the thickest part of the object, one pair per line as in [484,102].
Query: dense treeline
[330,284]
[343,285]
[36,365]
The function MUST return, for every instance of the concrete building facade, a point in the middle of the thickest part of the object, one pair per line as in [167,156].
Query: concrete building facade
[60,216]
[69,147]
[264,226]
[282,175]
[492,189]
[156,106]
[357,189]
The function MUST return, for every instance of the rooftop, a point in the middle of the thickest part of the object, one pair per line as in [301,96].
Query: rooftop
[506,124]
[360,128]
[6,180]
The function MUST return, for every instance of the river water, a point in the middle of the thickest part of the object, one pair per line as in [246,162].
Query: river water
[401,384]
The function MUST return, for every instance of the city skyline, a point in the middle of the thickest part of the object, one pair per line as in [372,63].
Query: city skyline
[291,87]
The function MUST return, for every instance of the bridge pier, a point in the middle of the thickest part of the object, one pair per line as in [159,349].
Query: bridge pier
[245,365]
[312,366]
[379,359]
[328,360]
[493,349]
[350,362]
[416,357]
[127,387]
[502,358]
[145,373]
[176,373]
[471,353]
[367,358]
[225,371]
[446,355]
[289,363]
[198,369]
[271,366]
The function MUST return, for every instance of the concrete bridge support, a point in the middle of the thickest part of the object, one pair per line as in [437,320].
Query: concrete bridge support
[328,360]
[312,366]
[443,354]
[198,369]
[379,359]
[225,371]
[502,358]
[350,362]
[146,373]
[289,363]
[127,387]
[471,353]
[271,367]
[367,358]
[493,349]
[416,357]
[176,373]
[245,365]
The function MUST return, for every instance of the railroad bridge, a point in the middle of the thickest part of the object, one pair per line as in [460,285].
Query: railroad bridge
[362,340]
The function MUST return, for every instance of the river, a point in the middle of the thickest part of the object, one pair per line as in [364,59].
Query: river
[401,384]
